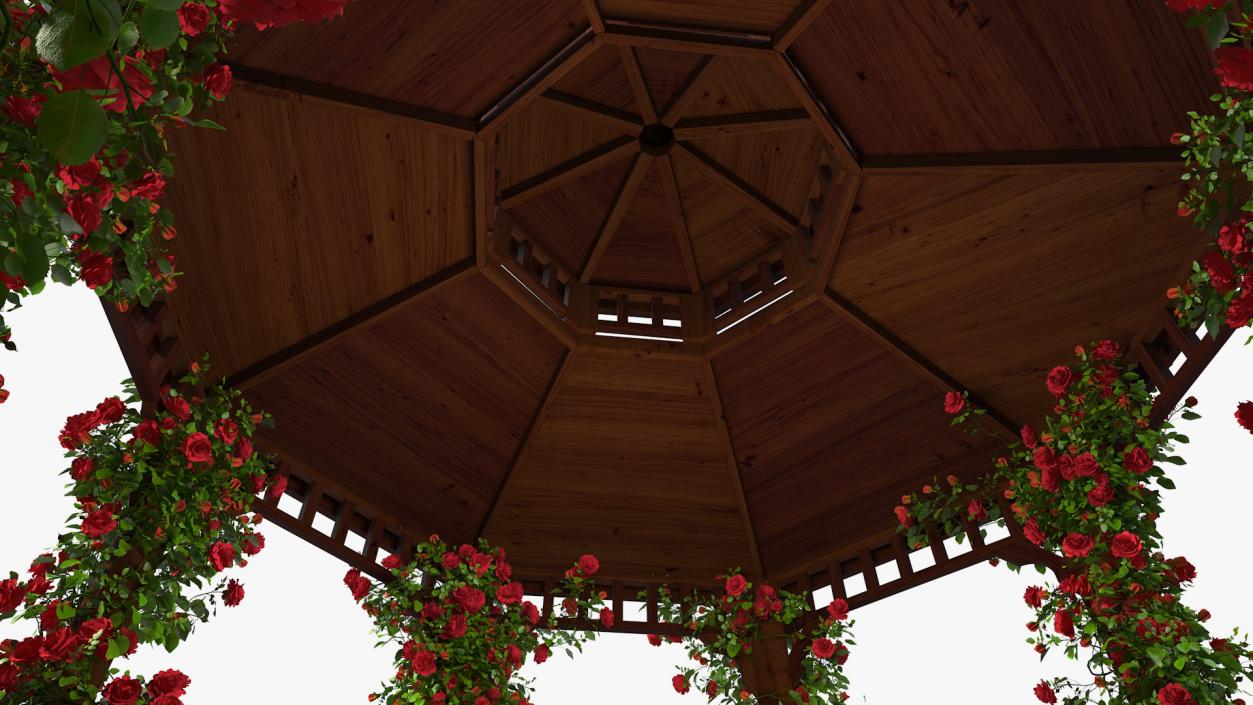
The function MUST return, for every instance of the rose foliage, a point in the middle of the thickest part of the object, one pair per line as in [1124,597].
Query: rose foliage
[161,510]
[462,628]
[1088,487]
[726,628]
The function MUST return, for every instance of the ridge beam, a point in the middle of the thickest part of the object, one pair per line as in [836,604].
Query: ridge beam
[622,202]
[751,197]
[569,170]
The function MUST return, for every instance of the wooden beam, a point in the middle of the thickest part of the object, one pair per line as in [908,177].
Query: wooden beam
[425,118]
[803,16]
[485,196]
[751,197]
[540,80]
[832,223]
[537,420]
[687,40]
[742,124]
[622,202]
[610,117]
[1066,159]
[378,311]
[688,92]
[831,131]
[564,173]
[594,17]
[635,75]
[670,184]
[720,418]
[913,358]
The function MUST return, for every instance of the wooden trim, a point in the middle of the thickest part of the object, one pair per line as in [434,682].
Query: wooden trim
[537,420]
[643,99]
[723,176]
[569,170]
[1067,158]
[260,371]
[454,125]
[720,418]
[586,109]
[594,16]
[505,281]
[760,321]
[742,124]
[485,196]
[688,92]
[803,16]
[670,184]
[687,40]
[540,80]
[826,123]
[829,231]
[913,358]
[622,202]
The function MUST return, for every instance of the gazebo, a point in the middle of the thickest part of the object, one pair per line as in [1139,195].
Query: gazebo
[683,283]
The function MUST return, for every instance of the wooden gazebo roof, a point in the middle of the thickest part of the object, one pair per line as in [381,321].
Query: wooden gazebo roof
[429,225]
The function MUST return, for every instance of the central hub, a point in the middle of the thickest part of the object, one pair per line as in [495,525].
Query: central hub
[656,139]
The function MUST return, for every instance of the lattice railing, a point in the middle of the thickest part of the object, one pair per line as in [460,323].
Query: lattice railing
[1172,358]
[771,276]
[531,266]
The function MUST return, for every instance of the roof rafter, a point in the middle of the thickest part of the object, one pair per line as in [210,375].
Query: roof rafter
[720,418]
[670,184]
[823,120]
[635,75]
[454,125]
[921,364]
[370,315]
[540,80]
[610,117]
[594,16]
[687,40]
[742,124]
[835,206]
[803,16]
[622,202]
[688,92]
[1061,158]
[723,176]
[569,170]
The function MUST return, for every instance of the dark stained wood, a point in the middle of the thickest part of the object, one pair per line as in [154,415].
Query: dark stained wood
[798,22]
[639,86]
[441,393]
[835,204]
[689,91]
[780,166]
[741,124]
[644,252]
[759,16]
[601,78]
[455,58]
[665,73]
[837,139]
[674,204]
[732,183]
[593,15]
[683,39]
[758,571]
[738,85]
[617,212]
[1005,75]
[611,117]
[564,138]
[1063,159]
[541,79]
[573,169]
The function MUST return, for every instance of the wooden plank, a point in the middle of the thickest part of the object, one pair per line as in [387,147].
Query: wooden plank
[733,466]
[594,17]
[674,201]
[639,86]
[831,131]
[742,124]
[610,117]
[689,41]
[541,313]
[688,92]
[540,80]
[750,196]
[485,196]
[255,374]
[568,171]
[801,18]
[614,218]
[426,118]
[1045,159]
[832,224]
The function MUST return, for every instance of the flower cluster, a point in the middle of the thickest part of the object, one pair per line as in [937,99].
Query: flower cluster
[727,629]
[1088,488]
[162,504]
[462,626]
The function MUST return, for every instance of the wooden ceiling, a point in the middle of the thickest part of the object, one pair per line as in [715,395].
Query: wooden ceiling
[429,224]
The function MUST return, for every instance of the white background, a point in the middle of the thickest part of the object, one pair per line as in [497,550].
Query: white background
[299,637]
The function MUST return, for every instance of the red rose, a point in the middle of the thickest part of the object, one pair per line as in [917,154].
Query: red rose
[95,269]
[588,564]
[1028,436]
[1059,380]
[510,594]
[357,583]
[430,610]
[902,515]
[450,560]
[1034,596]
[1077,545]
[680,684]
[470,598]
[193,19]
[1178,569]
[197,448]
[148,432]
[1244,415]
[100,627]
[654,639]
[1031,530]
[1175,694]
[98,75]
[838,609]
[1050,478]
[168,682]
[98,523]
[456,627]
[735,585]
[1063,624]
[80,468]
[58,645]
[1138,461]
[277,488]
[954,402]
[1231,240]
[243,451]
[1043,457]
[87,208]
[11,595]
[1185,5]
[976,510]
[253,543]
[151,185]
[1086,466]
[227,430]
[542,652]
[8,676]
[1106,350]
[276,13]
[1240,310]
[85,175]
[823,648]
[124,690]
[1100,495]
[531,613]
[1235,68]
[222,555]
[217,80]
[1222,275]
[393,562]
[424,663]
[110,410]
[1125,545]
[606,617]
[234,593]
[178,406]
[23,111]
[1045,693]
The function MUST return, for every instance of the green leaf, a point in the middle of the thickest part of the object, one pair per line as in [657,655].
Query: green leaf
[127,37]
[118,645]
[1166,482]
[78,31]
[73,127]
[1215,29]
[164,4]
[159,28]
[204,123]
[61,275]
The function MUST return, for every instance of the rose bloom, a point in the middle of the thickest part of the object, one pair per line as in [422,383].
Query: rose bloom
[11,595]
[1086,465]
[393,562]
[276,13]
[424,663]
[542,652]
[222,555]
[234,593]
[976,510]
[193,18]
[902,515]
[1063,624]
[59,645]
[1059,380]
[588,564]
[98,523]
[823,648]
[470,598]
[95,269]
[1034,596]
[1100,495]
[1138,461]
[1106,350]
[606,617]
[1027,434]
[1125,545]
[1175,694]
[531,613]
[1244,415]
[23,111]
[680,684]
[954,402]
[1235,69]
[654,639]
[218,80]
[735,585]
[1045,693]
[838,609]
[149,186]
[1077,545]
[456,627]
[197,448]
[1032,531]
[177,406]
[124,690]
[358,584]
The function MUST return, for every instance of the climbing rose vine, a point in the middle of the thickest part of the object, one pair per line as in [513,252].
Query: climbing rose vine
[1088,488]
[161,511]
[462,628]
[728,627]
